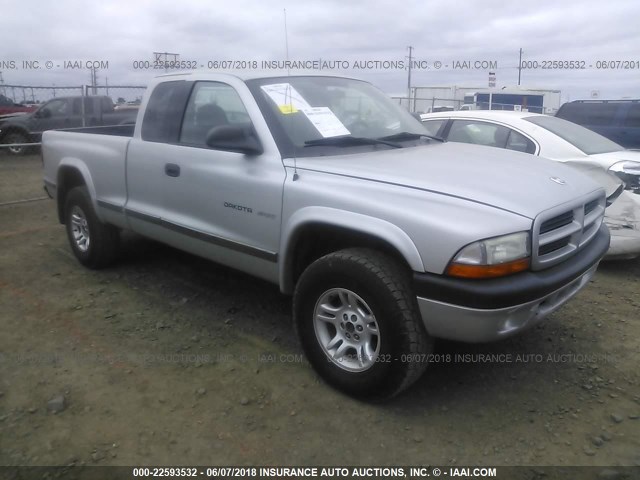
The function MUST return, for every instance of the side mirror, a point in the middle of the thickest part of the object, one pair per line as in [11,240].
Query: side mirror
[44,113]
[234,138]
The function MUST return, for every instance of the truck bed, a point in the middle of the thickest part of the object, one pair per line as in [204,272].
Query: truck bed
[100,152]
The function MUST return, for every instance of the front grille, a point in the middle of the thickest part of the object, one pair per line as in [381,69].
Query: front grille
[557,222]
[553,246]
[560,232]
[590,207]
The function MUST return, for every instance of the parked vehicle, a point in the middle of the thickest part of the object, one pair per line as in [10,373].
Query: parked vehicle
[618,120]
[327,188]
[8,106]
[563,141]
[61,112]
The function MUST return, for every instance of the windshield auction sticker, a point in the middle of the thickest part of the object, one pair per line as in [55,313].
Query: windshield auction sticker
[325,121]
[287,98]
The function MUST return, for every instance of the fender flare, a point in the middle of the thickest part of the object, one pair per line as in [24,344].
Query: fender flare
[356,222]
[76,164]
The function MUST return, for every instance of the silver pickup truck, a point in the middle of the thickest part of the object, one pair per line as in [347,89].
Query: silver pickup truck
[385,237]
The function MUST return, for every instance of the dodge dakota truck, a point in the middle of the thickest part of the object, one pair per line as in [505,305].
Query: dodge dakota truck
[385,237]
[62,112]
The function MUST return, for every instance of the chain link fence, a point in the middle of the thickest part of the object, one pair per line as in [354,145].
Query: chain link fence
[27,111]
[27,95]
[123,96]
[434,104]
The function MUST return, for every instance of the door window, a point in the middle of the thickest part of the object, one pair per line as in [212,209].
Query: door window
[212,104]
[517,141]
[58,108]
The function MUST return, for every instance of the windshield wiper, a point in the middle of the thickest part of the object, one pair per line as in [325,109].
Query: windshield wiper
[409,136]
[349,140]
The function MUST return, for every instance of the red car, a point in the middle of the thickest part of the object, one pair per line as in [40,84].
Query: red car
[7,106]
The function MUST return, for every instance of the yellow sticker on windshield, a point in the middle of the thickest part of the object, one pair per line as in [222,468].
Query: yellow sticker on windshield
[285,109]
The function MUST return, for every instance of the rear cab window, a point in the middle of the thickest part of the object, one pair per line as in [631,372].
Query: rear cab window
[164,112]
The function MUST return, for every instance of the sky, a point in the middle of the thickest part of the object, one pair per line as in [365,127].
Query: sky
[444,34]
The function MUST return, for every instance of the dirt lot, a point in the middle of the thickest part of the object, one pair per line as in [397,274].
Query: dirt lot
[169,359]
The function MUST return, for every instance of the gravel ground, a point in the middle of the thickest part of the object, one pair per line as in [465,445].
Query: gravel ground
[169,359]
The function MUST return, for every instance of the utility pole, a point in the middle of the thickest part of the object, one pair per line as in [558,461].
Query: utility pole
[409,78]
[94,80]
[520,67]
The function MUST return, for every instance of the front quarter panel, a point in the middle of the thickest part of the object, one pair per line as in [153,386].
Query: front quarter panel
[427,228]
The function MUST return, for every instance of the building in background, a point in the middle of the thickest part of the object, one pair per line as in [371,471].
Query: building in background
[453,97]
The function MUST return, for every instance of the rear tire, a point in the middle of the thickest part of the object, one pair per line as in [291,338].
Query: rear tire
[359,324]
[95,244]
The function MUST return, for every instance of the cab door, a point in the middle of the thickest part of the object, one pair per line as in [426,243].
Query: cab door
[223,205]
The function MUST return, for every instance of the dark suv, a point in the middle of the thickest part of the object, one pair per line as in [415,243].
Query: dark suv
[618,120]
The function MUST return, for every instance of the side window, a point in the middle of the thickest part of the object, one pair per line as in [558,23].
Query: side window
[58,108]
[633,116]
[601,114]
[163,115]
[479,133]
[573,112]
[433,126]
[517,141]
[212,104]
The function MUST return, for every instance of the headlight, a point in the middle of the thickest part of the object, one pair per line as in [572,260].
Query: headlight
[629,173]
[493,257]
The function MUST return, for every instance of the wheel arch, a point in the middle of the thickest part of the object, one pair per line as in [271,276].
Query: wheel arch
[72,173]
[315,231]
[8,129]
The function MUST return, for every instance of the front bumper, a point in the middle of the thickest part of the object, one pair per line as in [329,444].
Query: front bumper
[487,310]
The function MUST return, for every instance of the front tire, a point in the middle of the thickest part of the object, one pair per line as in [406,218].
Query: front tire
[359,324]
[94,244]
[16,137]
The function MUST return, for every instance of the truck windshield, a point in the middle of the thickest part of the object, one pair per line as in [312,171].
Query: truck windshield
[316,111]
[582,138]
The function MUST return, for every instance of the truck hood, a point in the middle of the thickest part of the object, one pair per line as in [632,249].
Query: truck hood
[13,115]
[504,179]
[612,185]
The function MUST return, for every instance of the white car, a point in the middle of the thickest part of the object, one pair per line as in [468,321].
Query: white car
[559,140]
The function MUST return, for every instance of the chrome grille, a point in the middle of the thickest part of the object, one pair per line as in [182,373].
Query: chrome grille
[561,231]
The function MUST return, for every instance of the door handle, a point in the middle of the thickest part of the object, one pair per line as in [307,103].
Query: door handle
[172,169]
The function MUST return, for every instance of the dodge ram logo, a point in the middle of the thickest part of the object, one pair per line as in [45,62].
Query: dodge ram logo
[558,180]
